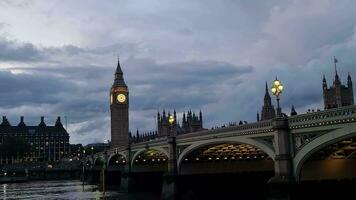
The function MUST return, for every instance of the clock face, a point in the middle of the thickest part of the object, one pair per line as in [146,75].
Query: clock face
[121,98]
[111,99]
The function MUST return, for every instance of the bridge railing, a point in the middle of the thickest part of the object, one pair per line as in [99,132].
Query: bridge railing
[336,115]
[243,129]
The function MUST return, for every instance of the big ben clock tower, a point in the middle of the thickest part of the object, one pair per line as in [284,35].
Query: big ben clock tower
[119,107]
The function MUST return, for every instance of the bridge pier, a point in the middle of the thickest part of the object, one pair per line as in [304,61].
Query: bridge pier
[169,185]
[283,160]
[127,181]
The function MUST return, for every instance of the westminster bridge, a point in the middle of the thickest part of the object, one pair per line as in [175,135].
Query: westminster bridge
[311,146]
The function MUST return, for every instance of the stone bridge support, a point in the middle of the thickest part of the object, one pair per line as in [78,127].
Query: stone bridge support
[126,175]
[169,186]
[283,159]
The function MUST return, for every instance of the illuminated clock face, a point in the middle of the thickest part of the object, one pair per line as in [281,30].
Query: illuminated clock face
[111,99]
[121,98]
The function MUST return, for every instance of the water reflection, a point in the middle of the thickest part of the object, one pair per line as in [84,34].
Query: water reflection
[56,190]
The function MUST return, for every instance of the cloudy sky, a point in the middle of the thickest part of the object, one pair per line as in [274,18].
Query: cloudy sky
[57,58]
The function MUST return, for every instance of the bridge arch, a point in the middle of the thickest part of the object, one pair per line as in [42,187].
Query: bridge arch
[165,152]
[98,161]
[319,143]
[268,150]
[115,154]
[120,157]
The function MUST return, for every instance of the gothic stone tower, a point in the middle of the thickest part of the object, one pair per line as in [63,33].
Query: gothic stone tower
[338,95]
[268,111]
[119,107]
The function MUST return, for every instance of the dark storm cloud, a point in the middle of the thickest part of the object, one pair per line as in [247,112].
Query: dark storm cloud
[209,55]
[17,51]
[20,89]
[180,85]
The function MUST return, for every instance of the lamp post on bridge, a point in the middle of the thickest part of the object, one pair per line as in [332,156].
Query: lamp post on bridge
[277,89]
[172,160]
[283,159]
[169,187]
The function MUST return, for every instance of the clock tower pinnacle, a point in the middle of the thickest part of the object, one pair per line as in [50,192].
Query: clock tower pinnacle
[119,109]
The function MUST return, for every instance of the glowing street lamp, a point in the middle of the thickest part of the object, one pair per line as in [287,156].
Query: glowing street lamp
[277,89]
[171,120]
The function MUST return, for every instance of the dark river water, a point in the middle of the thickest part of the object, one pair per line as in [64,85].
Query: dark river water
[68,189]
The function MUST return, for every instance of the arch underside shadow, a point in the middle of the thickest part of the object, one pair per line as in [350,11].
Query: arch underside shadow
[150,160]
[320,143]
[99,161]
[263,151]
[156,150]
[116,159]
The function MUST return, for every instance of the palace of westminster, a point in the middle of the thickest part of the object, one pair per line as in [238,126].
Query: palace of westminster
[337,95]
[51,143]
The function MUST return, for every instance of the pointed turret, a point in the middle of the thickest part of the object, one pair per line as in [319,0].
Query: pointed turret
[118,68]
[337,79]
[267,99]
[5,122]
[268,111]
[58,122]
[22,123]
[175,116]
[293,112]
[42,123]
[119,78]
[349,80]
[325,85]
[258,116]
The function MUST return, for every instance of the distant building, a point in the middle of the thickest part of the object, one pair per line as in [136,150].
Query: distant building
[96,147]
[47,143]
[338,95]
[268,111]
[190,123]
[119,110]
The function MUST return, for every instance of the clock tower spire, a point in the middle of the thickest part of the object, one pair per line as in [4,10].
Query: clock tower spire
[119,109]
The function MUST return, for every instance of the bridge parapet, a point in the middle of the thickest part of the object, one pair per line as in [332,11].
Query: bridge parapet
[331,116]
[244,129]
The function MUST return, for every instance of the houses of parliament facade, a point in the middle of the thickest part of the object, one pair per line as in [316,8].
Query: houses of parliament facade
[335,96]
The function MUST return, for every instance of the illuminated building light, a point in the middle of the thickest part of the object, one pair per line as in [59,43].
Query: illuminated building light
[153,159]
[186,159]
[164,159]
[225,158]
[197,159]
[233,157]
[144,160]
[117,161]
[123,161]
[209,158]
[217,158]
[136,160]
[158,159]
[240,157]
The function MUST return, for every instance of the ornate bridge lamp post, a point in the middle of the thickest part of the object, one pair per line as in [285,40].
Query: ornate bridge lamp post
[277,89]
[283,158]
[172,161]
[169,188]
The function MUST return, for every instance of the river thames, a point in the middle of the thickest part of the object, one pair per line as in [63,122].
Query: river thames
[66,190]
